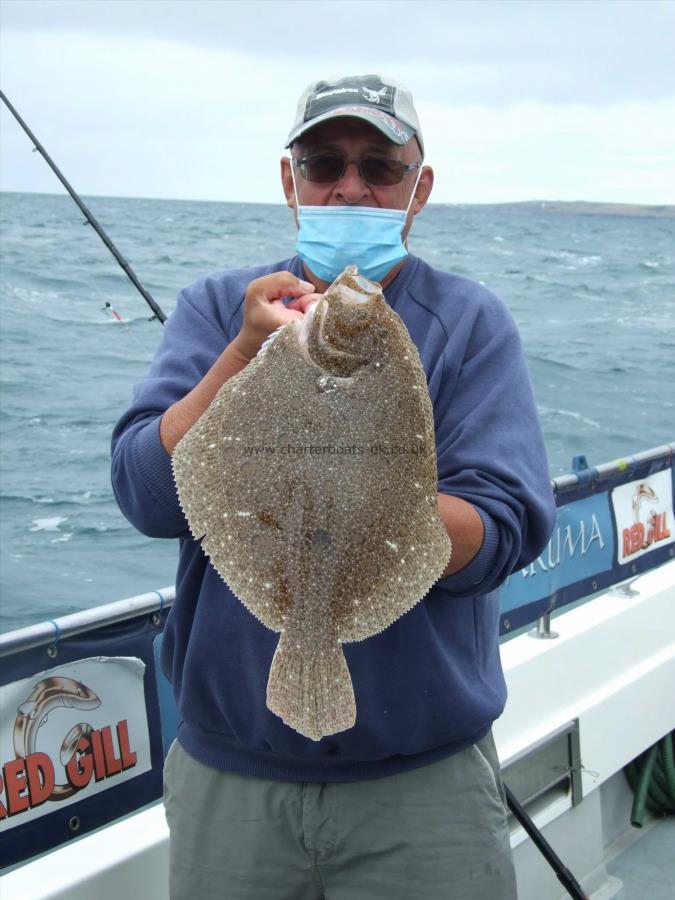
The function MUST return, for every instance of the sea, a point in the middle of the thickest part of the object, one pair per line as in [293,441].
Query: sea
[593,297]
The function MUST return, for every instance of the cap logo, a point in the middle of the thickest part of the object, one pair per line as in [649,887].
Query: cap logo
[335,91]
[374,96]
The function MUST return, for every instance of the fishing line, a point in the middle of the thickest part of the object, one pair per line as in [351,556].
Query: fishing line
[129,272]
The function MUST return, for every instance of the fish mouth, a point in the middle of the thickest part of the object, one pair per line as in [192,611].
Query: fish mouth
[349,290]
[309,328]
[354,289]
[363,293]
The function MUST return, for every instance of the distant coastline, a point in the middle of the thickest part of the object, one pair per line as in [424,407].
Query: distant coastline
[584,208]
[574,207]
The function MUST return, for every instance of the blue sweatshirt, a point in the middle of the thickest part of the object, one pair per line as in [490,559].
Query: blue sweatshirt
[431,683]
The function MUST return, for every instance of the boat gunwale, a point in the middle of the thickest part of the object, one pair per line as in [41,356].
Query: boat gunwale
[54,630]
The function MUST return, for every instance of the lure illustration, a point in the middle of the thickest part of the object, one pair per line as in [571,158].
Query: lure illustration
[48,694]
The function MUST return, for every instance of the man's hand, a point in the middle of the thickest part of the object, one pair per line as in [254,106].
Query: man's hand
[265,311]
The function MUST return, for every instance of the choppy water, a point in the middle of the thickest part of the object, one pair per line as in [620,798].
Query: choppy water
[594,298]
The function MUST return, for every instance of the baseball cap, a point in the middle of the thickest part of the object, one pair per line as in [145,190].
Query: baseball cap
[382,102]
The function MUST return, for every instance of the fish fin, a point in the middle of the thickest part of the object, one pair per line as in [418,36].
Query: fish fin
[314,695]
[264,347]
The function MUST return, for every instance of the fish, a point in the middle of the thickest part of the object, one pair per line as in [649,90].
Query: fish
[310,481]
[643,492]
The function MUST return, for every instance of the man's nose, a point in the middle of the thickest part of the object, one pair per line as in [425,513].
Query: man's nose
[351,188]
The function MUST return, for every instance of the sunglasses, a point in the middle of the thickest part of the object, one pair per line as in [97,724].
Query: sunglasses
[327,168]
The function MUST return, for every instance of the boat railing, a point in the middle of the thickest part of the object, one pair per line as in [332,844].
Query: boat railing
[614,521]
[583,481]
[56,630]
[85,707]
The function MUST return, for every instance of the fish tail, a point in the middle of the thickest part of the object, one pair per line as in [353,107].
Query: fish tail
[312,694]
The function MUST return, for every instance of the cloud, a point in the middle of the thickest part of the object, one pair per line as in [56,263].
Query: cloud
[623,153]
[487,51]
[154,118]
[517,100]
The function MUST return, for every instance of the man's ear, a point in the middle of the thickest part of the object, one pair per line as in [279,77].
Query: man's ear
[424,186]
[287,182]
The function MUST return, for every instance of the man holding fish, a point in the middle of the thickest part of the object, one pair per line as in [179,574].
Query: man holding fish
[407,801]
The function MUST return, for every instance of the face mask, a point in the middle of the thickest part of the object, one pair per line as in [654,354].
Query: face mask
[330,238]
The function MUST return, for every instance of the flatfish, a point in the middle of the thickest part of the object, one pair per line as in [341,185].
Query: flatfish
[311,478]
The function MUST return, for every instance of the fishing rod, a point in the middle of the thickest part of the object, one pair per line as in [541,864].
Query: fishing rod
[152,303]
[565,877]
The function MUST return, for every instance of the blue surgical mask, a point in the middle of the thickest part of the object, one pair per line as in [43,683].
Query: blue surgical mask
[330,238]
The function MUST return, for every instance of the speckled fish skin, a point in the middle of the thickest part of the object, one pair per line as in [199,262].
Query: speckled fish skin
[312,477]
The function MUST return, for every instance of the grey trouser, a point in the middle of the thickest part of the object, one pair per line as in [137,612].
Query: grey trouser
[435,833]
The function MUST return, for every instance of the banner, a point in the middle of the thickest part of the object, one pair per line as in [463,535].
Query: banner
[606,531]
[643,510]
[80,734]
[71,732]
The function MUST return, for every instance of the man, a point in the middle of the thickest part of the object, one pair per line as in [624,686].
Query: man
[409,802]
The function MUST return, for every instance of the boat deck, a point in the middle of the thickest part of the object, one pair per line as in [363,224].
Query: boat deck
[609,673]
[646,868]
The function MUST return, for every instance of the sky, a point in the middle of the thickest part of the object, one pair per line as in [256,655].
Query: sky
[518,99]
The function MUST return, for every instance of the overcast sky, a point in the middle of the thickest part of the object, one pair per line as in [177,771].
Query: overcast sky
[567,99]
